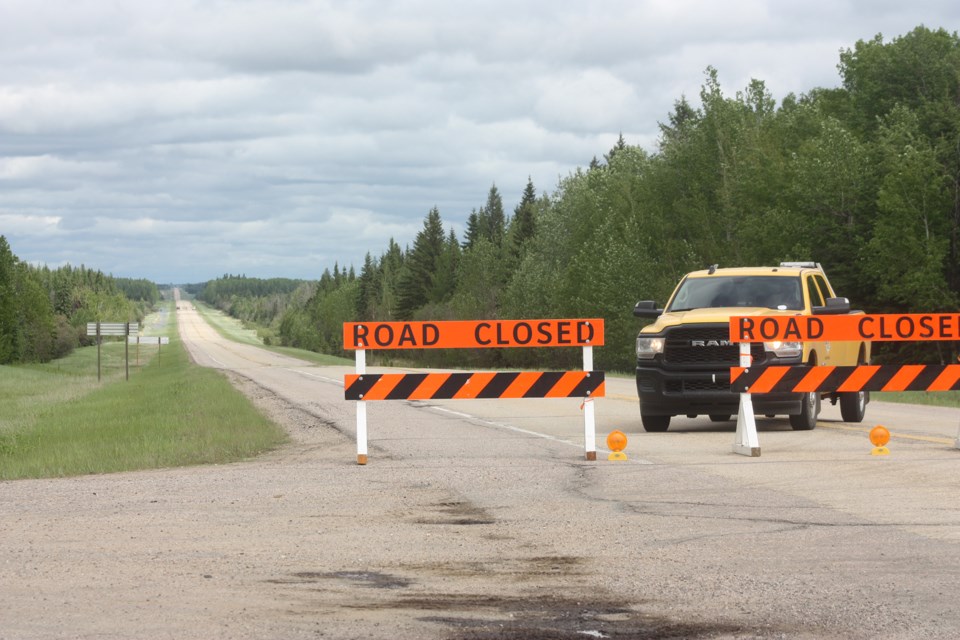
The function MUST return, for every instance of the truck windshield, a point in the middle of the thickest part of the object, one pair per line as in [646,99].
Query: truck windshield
[772,292]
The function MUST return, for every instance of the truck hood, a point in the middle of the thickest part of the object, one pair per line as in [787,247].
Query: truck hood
[712,315]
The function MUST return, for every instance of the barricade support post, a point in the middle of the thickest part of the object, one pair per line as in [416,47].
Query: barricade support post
[589,423]
[746,442]
[361,412]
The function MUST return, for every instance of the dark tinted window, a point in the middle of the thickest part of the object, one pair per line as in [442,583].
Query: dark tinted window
[772,292]
[816,300]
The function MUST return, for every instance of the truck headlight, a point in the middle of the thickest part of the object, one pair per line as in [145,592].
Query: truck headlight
[647,348]
[783,349]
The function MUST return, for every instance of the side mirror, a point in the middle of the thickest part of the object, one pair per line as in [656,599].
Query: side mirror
[647,309]
[835,306]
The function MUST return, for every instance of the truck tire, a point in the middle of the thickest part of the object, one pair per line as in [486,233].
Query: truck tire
[655,424]
[853,406]
[720,417]
[807,418]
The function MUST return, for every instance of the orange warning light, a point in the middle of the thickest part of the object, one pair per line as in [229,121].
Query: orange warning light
[617,442]
[879,437]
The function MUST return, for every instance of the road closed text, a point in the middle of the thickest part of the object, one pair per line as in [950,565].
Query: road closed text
[855,327]
[473,334]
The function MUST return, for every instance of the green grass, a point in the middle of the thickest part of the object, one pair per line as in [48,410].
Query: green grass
[56,420]
[935,398]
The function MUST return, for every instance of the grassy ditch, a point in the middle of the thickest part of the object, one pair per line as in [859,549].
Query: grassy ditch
[933,398]
[56,420]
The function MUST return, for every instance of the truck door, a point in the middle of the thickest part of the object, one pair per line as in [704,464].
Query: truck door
[816,296]
[843,352]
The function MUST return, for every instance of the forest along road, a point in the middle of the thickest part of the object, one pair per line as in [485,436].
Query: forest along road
[482,519]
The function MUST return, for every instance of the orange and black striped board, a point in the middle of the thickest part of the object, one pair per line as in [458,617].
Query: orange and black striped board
[470,386]
[907,377]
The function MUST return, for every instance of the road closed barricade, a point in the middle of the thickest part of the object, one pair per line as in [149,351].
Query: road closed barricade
[468,334]
[912,327]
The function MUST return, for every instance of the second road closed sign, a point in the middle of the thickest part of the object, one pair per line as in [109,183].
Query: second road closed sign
[877,327]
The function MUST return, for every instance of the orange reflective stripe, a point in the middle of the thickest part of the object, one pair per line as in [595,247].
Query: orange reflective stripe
[566,384]
[429,386]
[474,385]
[946,379]
[521,385]
[860,376]
[902,379]
[383,387]
[811,381]
[768,379]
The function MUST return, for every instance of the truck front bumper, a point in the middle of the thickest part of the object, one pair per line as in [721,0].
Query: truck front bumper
[678,393]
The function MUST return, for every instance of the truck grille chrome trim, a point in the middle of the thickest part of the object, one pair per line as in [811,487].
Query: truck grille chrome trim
[707,345]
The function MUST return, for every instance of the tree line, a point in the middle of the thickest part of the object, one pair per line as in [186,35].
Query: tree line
[44,312]
[863,178]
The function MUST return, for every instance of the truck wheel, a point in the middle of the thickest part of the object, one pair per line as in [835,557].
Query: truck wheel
[718,417]
[807,418]
[853,406]
[655,424]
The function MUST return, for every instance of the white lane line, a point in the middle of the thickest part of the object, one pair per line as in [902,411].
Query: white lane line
[314,375]
[467,416]
[510,427]
[223,365]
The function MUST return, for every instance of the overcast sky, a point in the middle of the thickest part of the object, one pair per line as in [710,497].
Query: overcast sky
[180,140]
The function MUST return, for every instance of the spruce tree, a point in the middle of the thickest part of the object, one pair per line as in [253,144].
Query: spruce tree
[473,230]
[496,221]
[523,225]
[8,304]
[421,267]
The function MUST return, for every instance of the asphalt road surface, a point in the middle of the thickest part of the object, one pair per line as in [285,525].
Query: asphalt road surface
[482,519]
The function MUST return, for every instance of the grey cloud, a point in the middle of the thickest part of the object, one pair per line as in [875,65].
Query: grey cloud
[184,139]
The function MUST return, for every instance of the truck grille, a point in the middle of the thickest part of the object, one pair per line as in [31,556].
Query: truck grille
[705,345]
[721,385]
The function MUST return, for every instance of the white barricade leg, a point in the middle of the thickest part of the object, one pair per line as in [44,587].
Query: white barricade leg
[589,423]
[589,430]
[361,432]
[361,412]
[746,442]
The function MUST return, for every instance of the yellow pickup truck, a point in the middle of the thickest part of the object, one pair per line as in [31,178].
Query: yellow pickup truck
[684,356]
